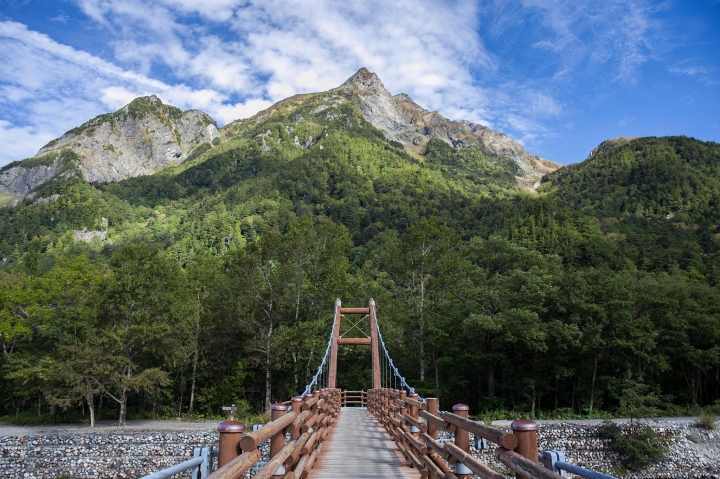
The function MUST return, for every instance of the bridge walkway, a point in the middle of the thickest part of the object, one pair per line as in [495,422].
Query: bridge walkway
[358,448]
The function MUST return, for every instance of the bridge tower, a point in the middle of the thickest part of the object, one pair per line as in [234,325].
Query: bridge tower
[367,339]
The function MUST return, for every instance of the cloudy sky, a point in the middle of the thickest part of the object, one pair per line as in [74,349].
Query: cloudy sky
[558,76]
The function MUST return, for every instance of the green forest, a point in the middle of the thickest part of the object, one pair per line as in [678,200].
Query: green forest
[216,281]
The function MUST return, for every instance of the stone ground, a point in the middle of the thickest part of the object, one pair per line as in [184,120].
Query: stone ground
[142,447]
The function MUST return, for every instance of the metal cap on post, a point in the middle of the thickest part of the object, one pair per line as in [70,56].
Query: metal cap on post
[230,434]
[277,442]
[462,440]
[526,432]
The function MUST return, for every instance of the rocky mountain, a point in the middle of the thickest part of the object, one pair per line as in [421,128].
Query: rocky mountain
[139,139]
[146,136]
[404,121]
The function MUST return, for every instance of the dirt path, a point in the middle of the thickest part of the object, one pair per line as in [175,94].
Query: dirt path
[110,427]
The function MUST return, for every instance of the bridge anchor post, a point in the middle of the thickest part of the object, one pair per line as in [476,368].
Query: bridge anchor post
[230,434]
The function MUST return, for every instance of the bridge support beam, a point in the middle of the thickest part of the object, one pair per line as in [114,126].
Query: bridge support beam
[332,367]
[372,341]
[374,346]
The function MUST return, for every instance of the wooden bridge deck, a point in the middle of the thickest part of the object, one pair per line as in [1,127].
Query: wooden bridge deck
[358,447]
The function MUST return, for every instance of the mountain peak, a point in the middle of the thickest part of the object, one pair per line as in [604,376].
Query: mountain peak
[364,81]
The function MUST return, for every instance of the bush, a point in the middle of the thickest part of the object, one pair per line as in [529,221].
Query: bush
[706,420]
[638,445]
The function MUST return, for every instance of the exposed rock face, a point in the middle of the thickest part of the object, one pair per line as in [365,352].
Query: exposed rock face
[18,179]
[139,139]
[403,120]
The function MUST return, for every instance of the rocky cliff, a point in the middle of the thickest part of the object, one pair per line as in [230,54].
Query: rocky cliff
[405,121]
[139,139]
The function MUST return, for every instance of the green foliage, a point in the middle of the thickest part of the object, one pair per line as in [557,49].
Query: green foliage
[706,420]
[45,160]
[639,445]
[216,279]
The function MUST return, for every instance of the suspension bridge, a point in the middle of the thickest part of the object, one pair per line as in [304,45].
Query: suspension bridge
[387,431]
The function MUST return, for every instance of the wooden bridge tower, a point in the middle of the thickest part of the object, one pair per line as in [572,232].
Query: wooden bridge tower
[367,339]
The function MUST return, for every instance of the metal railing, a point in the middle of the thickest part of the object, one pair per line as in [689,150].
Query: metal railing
[555,461]
[200,464]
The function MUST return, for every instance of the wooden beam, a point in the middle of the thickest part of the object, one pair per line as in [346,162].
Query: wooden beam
[363,341]
[354,310]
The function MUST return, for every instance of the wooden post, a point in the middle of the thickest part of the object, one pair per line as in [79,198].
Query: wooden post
[296,404]
[230,434]
[462,440]
[433,406]
[277,442]
[332,367]
[374,346]
[526,432]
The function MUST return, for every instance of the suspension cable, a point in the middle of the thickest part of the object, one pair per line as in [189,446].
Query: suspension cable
[392,365]
[324,359]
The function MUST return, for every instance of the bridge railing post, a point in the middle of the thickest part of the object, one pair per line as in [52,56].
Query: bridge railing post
[230,433]
[433,406]
[277,441]
[526,432]
[462,440]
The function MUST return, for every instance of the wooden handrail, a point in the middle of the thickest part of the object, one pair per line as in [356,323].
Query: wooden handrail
[504,439]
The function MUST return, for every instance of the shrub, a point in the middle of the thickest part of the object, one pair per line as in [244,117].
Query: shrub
[706,420]
[638,445]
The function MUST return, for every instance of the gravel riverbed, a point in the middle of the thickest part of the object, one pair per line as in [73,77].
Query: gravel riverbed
[143,447]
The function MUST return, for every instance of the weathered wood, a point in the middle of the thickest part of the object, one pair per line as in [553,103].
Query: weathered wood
[310,444]
[251,441]
[358,448]
[433,444]
[416,423]
[473,464]
[414,441]
[273,464]
[355,341]
[437,421]
[524,466]
[237,467]
[354,310]
[504,439]
[300,466]
[298,449]
[297,424]
[414,402]
[438,460]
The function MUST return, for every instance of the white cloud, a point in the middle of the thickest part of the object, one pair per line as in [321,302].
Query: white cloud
[21,142]
[231,58]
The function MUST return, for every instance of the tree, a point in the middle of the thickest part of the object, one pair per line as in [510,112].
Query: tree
[423,264]
[144,324]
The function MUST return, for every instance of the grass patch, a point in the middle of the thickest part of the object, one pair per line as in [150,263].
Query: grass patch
[638,444]
[706,420]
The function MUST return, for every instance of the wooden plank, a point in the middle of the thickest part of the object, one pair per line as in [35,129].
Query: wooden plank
[358,447]
[360,341]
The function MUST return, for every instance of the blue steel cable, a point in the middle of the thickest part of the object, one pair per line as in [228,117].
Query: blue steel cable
[392,365]
[324,359]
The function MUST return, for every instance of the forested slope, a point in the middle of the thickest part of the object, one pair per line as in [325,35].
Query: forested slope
[214,280]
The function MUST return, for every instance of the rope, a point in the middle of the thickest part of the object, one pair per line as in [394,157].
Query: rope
[319,372]
[392,365]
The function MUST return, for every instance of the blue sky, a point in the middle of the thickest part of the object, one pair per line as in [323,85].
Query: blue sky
[558,76]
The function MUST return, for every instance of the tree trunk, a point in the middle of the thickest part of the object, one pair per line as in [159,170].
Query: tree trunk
[90,399]
[196,355]
[422,326]
[123,407]
[268,375]
[491,379]
[533,399]
[592,384]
